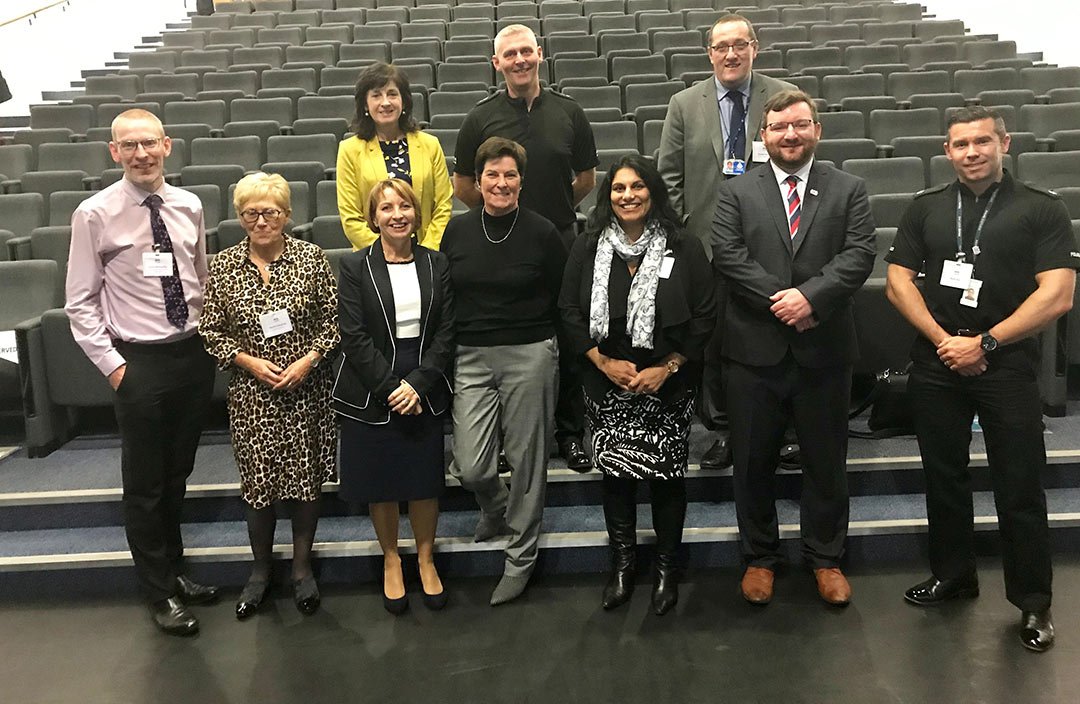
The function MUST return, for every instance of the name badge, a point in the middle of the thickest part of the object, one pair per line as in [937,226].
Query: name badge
[758,152]
[970,296]
[734,167]
[275,323]
[665,266]
[157,264]
[956,274]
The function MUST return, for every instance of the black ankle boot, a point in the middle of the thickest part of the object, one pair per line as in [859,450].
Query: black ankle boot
[669,513]
[620,515]
[665,592]
[620,585]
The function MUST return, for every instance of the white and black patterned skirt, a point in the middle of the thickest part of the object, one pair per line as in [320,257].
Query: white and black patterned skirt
[637,436]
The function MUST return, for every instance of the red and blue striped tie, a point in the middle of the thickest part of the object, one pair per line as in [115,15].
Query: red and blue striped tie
[794,206]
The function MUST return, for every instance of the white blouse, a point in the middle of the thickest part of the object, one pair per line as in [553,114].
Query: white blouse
[406,287]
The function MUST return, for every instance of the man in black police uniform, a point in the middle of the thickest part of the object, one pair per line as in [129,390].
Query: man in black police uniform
[1000,262]
[560,173]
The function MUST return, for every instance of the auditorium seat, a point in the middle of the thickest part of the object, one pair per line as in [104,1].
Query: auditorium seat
[896,175]
[77,118]
[327,232]
[217,175]
[1063,95]
[49,243]
[187,84]
[885,337]
[15,160]
[857,57]
[1044,119]
[1016,97]
[326,198]
[63,203]
[26,287]
[837,87]
[1066,140]
[279,110]
[841,149]
[886,125]
[971,83]
[1050,169]
[888,208]
[245,152]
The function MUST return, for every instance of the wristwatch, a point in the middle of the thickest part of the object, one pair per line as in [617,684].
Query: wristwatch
[672,366]
[315,358]
[989,342]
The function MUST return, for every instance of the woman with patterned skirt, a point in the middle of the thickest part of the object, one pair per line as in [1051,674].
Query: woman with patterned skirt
[638,302]
[271,315]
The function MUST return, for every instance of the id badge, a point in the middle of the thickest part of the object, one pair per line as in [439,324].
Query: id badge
[734,167]
[157,263]
[970,296]
[956,274]
[758,152]
[275,323]
[665,267]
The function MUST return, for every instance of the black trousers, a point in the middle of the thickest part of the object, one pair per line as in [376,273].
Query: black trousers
[160,409]
[1010,413]
[760,401]
[570,401]
[711,409]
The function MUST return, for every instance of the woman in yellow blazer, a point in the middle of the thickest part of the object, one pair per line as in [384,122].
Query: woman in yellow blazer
[389,144]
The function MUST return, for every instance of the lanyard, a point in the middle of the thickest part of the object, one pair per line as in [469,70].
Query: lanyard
[733,135]
[978,230]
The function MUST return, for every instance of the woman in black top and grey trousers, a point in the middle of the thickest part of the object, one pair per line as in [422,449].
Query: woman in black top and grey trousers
[506,265]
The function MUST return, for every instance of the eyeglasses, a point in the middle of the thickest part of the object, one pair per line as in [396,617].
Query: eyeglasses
[129,146]
[781,127]
[251,217]
[739,46]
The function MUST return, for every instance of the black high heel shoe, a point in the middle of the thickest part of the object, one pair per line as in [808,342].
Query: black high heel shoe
[396,606]
[436,602]
[251,598]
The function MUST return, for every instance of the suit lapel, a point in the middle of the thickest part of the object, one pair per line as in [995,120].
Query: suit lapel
[710,115]
[375,162]
[758,96]
[380,276]
[425,275]
[815,183]
[774,204]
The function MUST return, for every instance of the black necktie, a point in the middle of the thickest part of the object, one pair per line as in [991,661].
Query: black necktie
[737,128]
[176,309]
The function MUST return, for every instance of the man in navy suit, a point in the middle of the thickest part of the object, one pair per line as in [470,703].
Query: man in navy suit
[794,241]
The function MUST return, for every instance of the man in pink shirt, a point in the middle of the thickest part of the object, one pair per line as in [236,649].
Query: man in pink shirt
[134,294]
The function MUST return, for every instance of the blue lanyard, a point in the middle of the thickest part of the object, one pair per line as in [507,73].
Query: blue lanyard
[978,230]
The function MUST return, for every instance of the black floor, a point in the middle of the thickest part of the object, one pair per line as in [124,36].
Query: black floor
[555,645]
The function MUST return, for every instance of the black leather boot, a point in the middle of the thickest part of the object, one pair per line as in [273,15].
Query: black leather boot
[669,513]
[620,514]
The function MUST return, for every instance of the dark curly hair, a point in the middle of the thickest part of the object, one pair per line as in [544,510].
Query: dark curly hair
[376,76]
[661,211]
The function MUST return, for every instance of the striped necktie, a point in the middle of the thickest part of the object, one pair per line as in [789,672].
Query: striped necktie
[794,205]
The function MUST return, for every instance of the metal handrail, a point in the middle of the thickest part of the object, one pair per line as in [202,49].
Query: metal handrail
[34,13]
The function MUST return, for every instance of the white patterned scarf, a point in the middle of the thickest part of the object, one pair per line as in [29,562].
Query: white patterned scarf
[641,303]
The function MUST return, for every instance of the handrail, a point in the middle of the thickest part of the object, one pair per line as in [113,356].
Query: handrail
[34,13]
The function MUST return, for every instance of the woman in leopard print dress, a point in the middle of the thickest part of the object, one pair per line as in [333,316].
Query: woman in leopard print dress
[271,315]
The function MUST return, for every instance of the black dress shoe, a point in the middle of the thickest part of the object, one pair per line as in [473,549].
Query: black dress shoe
[790,457]
[306,595]
[1036,630]
[718,456]
[251,598]
[575,456]
[195,593]
[173,618]
[935,591]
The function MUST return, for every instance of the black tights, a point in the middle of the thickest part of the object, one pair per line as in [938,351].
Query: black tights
[261,523]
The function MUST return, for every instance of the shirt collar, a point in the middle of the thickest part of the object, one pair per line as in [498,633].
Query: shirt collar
[803,173]
[722,90]
[137,194]
[287,254]
[520,102]
[1005,183]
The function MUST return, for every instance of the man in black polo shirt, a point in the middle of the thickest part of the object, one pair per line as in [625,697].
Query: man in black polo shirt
[562,157]
[1000,260]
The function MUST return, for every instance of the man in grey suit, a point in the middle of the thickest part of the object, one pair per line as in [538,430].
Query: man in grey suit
[707,138]
[795,241]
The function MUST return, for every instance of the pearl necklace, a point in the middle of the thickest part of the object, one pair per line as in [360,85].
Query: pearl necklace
[483,224]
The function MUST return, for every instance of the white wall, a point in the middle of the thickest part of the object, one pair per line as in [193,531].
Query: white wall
[48,54]
[1035,25]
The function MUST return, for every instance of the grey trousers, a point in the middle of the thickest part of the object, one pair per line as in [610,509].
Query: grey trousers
[504,398]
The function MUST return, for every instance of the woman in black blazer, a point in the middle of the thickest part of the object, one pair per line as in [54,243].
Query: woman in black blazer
[638,302]
[395,310]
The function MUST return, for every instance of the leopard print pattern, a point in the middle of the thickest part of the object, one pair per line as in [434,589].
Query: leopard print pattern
[284,442]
